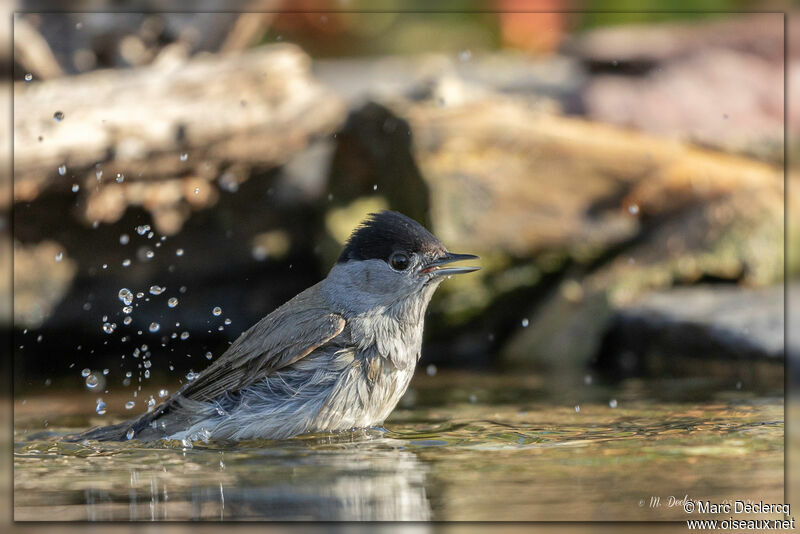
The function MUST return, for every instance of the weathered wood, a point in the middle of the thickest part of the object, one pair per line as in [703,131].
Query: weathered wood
[503,175]
[32,51]
[170,120]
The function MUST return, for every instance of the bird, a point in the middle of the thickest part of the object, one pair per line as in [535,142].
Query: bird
[338,356]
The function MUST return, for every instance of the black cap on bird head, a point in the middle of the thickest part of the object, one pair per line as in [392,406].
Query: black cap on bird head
[384,233]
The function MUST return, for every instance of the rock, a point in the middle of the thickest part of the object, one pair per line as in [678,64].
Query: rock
[737,238]
[691,99]
[675,79]
[704,322]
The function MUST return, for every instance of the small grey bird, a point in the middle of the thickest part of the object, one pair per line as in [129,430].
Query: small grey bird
[337,356]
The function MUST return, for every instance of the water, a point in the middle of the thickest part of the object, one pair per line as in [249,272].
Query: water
[461,446]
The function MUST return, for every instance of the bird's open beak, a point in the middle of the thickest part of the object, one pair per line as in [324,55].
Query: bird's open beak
[435,267]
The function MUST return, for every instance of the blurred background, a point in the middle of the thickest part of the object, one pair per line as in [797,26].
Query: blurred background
[621,176]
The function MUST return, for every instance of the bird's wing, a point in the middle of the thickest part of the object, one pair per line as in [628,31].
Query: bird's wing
[286,335]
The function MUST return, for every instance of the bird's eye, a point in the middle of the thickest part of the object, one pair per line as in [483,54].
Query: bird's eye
[399,261]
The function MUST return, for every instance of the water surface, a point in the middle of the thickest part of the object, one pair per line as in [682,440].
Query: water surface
[460,447]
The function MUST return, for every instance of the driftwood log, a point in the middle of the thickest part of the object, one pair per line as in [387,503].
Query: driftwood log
[157,136]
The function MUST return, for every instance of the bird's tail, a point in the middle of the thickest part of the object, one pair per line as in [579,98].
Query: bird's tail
[116,432]
[137,428]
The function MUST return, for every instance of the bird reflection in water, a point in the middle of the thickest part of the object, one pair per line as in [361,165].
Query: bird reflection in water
[345,483]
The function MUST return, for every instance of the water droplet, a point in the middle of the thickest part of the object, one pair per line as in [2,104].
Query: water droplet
[151,403]
[612,403]
[179,252]
[109,328]
[525,322]
[196,190]
[587,380]
[58,116]
[126,262]
[28,76]
[156,290]
[209,355]
[127,310]
[187,443]
[75,188]
[228,183]
[577,409]
[101,407]
[127,320]
[185,156]
[59,256]
[120,177]
[430,370]
[172,302]
[142,229]
[86,372]
[217,311]
[154,327]
[124,239]
[130,432]
[62,169]
[633,209]
[184,335]
[465,55]
[182,290]
[92,381]
[98,173]
[129,406]
[162,393]
[227,321]
[191,375]
[149,254]
[126,296]
[128,374]
[375,187]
